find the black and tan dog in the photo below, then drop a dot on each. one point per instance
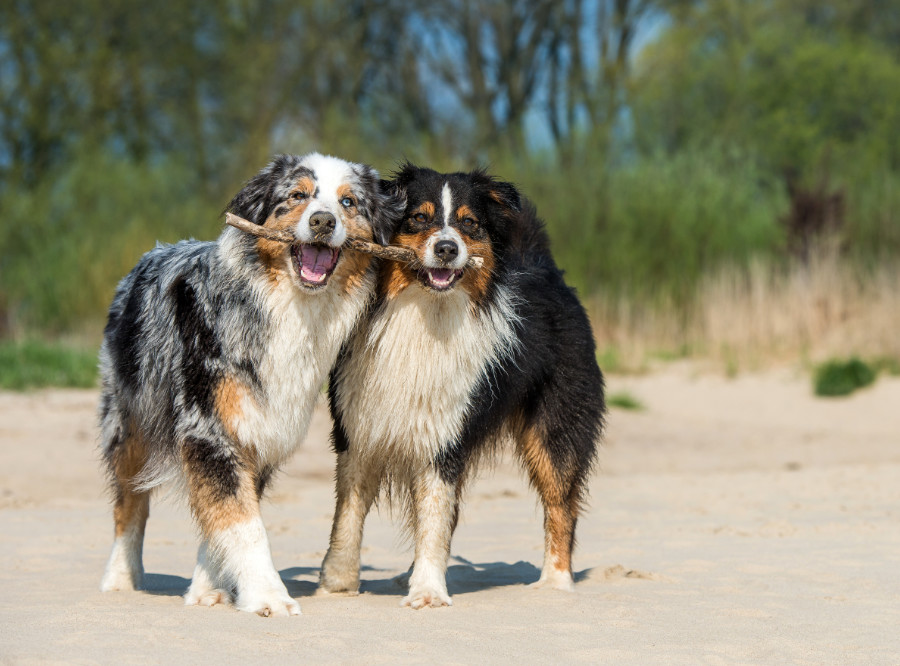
(454, 361)
(212, 360)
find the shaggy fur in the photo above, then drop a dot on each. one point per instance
(212, 359)
(453, 362)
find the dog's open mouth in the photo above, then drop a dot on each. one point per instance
(314, 263)
(440, 279)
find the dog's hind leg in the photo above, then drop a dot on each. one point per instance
(126, 457)
(559, 478)
(435, 501)
(222, 490)
(357, 485)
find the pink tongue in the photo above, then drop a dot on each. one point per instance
(441, 274)
(316, 261)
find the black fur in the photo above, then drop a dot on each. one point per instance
(540, 383)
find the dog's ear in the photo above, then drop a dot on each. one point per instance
(405, 174)
(498, 192)
(254, 202)
(391, 210)
(382, 205)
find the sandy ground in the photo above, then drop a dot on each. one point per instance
(734, 521)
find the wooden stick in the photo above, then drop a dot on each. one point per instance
(390, 252)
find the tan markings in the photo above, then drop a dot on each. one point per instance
(427, 209)
(495, 195)
(229, 396)
(476, 281)
(356, 487)
(351, 272)
(352, 266)
(463, 212)
(395, 277)
(213, 511)
(131, 508)
(273, 255)
(359, 227)
(305, 185)
(560, 511)
(346, 191)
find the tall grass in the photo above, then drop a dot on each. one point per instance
(34, 364)
(769, 311)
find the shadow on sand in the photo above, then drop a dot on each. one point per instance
(463, 577)
(164, 585)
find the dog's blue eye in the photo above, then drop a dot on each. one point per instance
(346, 202)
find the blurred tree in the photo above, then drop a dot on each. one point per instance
(489, 54)
(789, 81)
(211, 82)
(589, 68)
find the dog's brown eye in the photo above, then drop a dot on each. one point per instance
(299, 196)
(420, 218)
(469, 223)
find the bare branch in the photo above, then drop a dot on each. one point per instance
(390, 252)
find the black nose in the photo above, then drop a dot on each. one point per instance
(321, 223)
(446, 250)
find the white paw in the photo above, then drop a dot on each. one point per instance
(206, 597)
(425, 596)
(556, 580)
(267, 602)
(121, 578)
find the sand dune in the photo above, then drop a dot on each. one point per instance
(733, 521)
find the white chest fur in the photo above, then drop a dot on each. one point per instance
(307, 331)
(407, 382)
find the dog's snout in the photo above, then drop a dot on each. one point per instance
(446, 251)
(321, 223)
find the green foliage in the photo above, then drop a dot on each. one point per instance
(649, 230)
(886, 364)
(35, 364)
(121, 126)
(807, 88)
(624, 400)
(65, 244)
(838, 378)
(609, 360)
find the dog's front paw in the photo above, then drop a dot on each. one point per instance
(422, 597)
(121, 576)
(334, 580)
(267, 601)
(556, 580)
(205, 596)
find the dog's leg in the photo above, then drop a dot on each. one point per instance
(560, 487)
(204, 589)
(357, 485)
(125, 568)
(226, 505)
(435, 510)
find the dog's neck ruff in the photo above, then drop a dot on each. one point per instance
(306, 331)
(416, 366)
